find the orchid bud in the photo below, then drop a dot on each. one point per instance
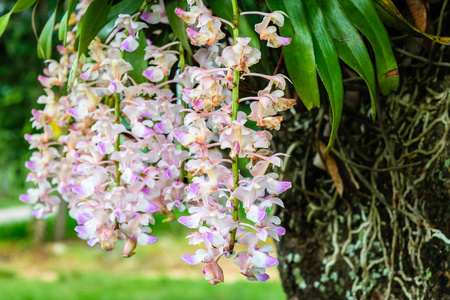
(213, 272)
(108, 239)
(130, 245)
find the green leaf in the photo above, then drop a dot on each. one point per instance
(20, 5)
(44, 48)
(299, 54)
(363, 15)
(128, 7)
(177, 25)
(251, 5)
(73, 73)
(391, 16)
(136, 59)
(4, 22)
(349, 45)
(90, 24)
(64, 24)
(327, 63)
(62, 30)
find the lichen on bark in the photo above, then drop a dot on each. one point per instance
(387, 236)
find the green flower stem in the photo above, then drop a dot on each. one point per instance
(183, 113)
(69, 119)
(117, 144)
(141, 9)
(234, 111)
(63, 93)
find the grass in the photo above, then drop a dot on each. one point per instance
(77, 271)
(10, 202)
(14, 231)
(73, 270)
(23, 230)
(114, 286)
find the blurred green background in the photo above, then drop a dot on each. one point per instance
(32, 264)
(47, 270)
(19, 90)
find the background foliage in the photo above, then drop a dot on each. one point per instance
(19, 68)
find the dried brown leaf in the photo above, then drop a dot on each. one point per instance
(420, 10)
(419, 13)
(332, 168)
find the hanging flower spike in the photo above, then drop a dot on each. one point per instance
(216, 192)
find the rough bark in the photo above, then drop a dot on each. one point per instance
(61, 220)
(387, 236)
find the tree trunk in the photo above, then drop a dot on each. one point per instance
(40, 226)
(387, 235)
(61, 220)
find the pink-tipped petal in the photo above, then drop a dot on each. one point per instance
(193, 259)
(146, 206)
(129, 176)
(256, 214)
(145, 239)
(263, 260)
(25, 198)
(30, 165)
(129, 44)
(189, 221)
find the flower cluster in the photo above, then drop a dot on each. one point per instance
(208, 26)
(216, 191)
(114, 177)
(120, 149)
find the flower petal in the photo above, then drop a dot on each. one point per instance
(145, 239)
(263, 260)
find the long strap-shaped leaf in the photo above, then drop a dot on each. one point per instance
(327, 63)
(18, 7)
(391, 16)
(178, 26)
(92, 21)
(64, 25)
(128, 7)
(44, 49)
(136, 59)
(363, 15)
(90, 24)
(349, 45)
(251, 5)
(299, 54)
